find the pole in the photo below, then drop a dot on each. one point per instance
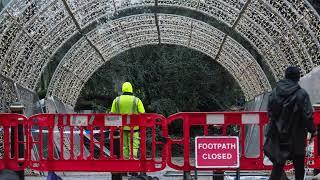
(218, 175)
(238, 174)
(186, 175)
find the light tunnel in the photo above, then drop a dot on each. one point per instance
(284, 32)
(117, 36)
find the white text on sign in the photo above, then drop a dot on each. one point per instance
(217, 152)
(217, 146)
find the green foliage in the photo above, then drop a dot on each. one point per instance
(315, 4)
(168, 79)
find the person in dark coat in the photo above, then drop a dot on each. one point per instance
(290, 119)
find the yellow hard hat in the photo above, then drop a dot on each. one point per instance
(127, 87)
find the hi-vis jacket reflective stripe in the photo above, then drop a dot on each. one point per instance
(127, 104)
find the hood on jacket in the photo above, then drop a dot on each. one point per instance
(127, 87)
(286, 87)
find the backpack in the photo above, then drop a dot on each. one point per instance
(279, 143)
(285, 120)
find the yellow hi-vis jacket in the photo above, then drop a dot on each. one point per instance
(127, 104)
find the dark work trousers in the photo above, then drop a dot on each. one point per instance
(298, 163)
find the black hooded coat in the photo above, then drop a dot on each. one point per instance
(290, 118)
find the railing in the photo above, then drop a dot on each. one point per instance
(95, 142)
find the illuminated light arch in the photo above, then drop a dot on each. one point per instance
(115, 37)
(284, 32)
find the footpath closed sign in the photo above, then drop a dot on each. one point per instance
(217, 152)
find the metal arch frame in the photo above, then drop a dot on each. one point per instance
(8, 93)
(49, 40)
(64, 69)
(168, 4)
(185, 34)
(28, 30)
(200, 7)
(279, 38)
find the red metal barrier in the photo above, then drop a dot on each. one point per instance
(13, 151)
(316, 153)
(209, 123)
(88, 142)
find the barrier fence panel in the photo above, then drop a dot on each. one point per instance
(13, 147)
(96, 142)
(224, 124)
(315, 159)
(93, 142)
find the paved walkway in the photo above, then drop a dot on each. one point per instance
(163, 175)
